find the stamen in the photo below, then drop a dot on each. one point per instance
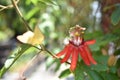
(77, 42)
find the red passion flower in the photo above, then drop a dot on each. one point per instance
(77, 46)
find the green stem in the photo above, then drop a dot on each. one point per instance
(21, 16)
(54, 56)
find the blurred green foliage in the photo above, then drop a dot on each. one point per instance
(54, 18)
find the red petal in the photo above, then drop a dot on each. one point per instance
(90, 42)
(83, 55)
(74, 59)
(68, 53)
(89, 54)
(63, 51)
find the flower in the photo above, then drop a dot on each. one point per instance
(77, 46)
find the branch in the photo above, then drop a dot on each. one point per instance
(20, 14)
(2, 7)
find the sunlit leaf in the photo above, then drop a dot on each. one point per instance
(48, 1)
(9, 62)
(34, 1)
(32, 38)
(32, 12)
(12, 58)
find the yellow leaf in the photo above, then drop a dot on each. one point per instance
(24, 38)
(32, 38)
(112, 60)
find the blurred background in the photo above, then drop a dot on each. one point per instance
(54, 18)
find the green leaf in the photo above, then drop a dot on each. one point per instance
(92, 35)
(79, 73)
(34, 1)
(113, 69)
(94, 47)
(49, 62)
(93, 74)
(115, 17)
(99, 67)
(101, 63)
(47, 2)
(32, 13)
(109, 76)
(65, 73)
(58, 64)
(101, 41)
(101, 59)
(12, 58)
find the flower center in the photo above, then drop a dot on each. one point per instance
(76, 35)
(76, 42)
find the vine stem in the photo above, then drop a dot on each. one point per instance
(54, 56)
(26, 24)
(20, 14)
(46, 50)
